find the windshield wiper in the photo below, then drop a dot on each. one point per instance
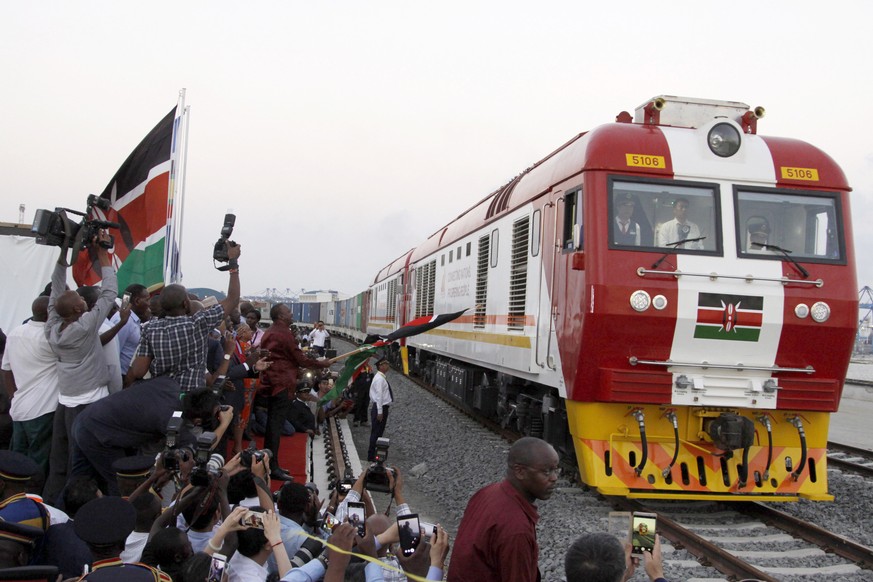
(785, 253)
(676, 244)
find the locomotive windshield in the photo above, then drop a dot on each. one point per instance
(664, 216)
(805, 225)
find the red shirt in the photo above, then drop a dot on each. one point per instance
(287, 359)
(497, 540)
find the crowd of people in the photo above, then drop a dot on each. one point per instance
(126, 458)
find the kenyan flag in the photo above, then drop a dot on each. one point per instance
(139, 194)
(729, 317)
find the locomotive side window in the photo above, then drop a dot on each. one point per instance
(572, 234)
(655, 215)
(495, 238)
(535, 233)
(771, 222)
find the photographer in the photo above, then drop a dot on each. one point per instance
(136, 418)
(73, 335)
(175, 345)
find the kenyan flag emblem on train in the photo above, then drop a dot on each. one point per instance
(729, 317)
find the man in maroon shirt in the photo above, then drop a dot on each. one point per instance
(497, 540)
(279, 381)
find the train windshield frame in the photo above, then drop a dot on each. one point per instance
(665, 213)
(808, 225)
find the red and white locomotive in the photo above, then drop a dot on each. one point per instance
(671, 296)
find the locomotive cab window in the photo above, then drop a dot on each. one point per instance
(655, 215)
(572, 234)
(772, 223)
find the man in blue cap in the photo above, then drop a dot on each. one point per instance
(15, 506)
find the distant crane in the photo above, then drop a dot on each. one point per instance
(865, 303)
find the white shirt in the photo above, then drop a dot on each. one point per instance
(311, 571)
(317, 337)
(133, 547)
(243, 569)
(113, 360)
(669, 232)
(34, 365)
(380, 395)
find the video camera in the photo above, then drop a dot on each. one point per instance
(53, 228)
(207, 465)
(219, 253)
(377, 475)
(172, 454)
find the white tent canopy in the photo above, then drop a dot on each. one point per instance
(26, 268)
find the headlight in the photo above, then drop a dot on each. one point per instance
(640, 300)
(723, 140)
(801, 310)
(820, 312)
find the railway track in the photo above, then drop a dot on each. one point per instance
(867, 383)
(849, 458)
(752, 540)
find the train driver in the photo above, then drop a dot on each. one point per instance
(680, 228)
(626, 231)
(758, 234)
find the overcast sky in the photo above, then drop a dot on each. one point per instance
(344, 133)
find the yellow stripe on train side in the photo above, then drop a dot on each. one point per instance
(513, 341)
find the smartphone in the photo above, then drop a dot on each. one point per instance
(410, 533)
(356, 516)
(216, 568)
(429, 528)
(125, 300)
(643, 528)
(253, 519)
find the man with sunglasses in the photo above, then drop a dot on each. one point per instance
(497, 539)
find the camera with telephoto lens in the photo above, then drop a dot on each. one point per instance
(252, 456)
(172, 453)
(219, 253)
(53, 228)
(377, 474)
(207, 465)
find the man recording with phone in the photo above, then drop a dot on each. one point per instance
(73, 333)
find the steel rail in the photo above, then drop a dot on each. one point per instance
(828, 541)
(706, 552)
(865, 470)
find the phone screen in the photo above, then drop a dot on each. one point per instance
(356, 516)
(125, 300)
(643, 532)
(216, 568)
(253, 519)
(410, 533)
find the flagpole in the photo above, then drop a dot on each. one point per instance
(353, 352)
(184, 157)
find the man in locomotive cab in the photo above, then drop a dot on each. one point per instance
(758, 234)
(626, 231)
(679, 228)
